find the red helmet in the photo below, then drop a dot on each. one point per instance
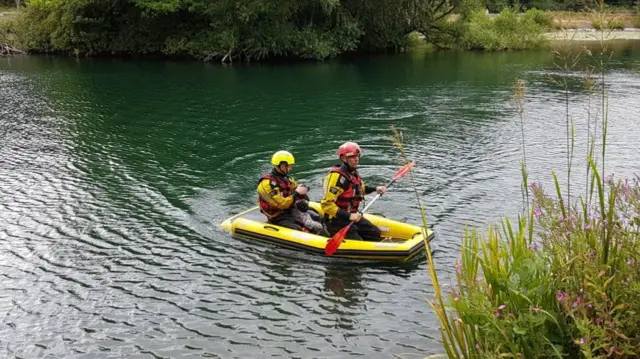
(349, 149)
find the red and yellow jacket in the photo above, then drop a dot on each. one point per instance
(343, 190)
(275, 193)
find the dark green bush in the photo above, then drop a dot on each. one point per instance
(226, 29)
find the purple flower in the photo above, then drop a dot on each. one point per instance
(577, 302)
(537, 212)
(496, 314)
(612, 325)
(609, 179)
(561, 296)
(630, 261)
(477, 346)
(582, 341)
(535, 310)
(502, 307)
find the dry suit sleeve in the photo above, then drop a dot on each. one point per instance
(331, 193)
(368, 189)
(273, 196)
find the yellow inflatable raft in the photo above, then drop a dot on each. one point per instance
(401, 241)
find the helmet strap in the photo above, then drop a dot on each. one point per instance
(346, 163)
(279, 168)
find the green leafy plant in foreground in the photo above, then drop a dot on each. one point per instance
(563, 280)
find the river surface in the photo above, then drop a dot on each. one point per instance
(115, 175)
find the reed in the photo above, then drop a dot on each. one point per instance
(562, 280)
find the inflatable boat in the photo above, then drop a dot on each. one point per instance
(400, 241)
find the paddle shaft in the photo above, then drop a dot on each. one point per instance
(377, 196)
(373, 200)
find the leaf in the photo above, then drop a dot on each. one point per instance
(608, 281)
(519, 330)
(619, 306)
(552, 317)
(622, 336)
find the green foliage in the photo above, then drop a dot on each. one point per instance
(594, 252)
(544, 19)
(504, 296)
(612, 24)
(496, 6)
(557, 294)
(564, 283)
(227, 29)
(508, 30)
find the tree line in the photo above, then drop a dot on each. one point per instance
(251, 30)
(228, 30)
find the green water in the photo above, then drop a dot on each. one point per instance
(114, 176)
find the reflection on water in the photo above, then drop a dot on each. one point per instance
(114, 176)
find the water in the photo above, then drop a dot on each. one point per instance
(114, 176)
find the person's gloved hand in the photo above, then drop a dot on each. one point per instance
(302, 190)
(302, 205)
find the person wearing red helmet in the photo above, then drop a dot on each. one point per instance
(343, 190)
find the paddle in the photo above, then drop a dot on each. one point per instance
(337, 239)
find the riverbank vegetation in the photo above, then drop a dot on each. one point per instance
(225, 30)
(560, 281)
(8, 41)
(252, 30)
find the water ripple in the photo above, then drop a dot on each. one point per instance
(115, 176)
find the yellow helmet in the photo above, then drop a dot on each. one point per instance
(282, 156)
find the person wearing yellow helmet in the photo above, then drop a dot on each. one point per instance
(343, 190)
(279, 195)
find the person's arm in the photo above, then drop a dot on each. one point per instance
(273, 196)
(331, 193)
(370, 189)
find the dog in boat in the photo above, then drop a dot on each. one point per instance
(310, 220)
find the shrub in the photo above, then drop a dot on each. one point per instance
(507, 31)
(542, 18)
(612, 24)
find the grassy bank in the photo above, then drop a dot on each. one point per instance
(562, 279)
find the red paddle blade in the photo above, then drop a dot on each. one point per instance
(403, 171)
(335, 241)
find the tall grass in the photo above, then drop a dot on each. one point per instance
(563, 280)
(448, 335)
